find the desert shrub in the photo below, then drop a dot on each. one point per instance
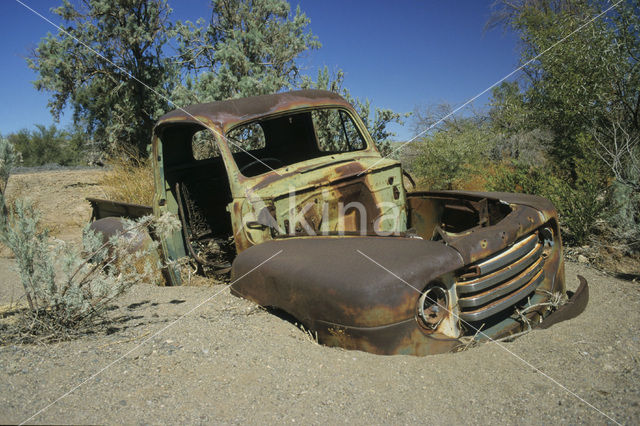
(129, 179)
(580, 201)
(8, 157)
(68, 290)
(48, 145)
(453, 156)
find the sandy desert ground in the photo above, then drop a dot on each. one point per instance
(199, 355)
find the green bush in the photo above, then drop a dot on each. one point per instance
(452, 155)
(580, 201)
(48, 146)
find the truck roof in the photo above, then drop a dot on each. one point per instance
(225, 114)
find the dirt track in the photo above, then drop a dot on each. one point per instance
(227, 361)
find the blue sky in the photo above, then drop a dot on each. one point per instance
(397, 54)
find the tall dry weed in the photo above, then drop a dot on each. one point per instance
(129, 179)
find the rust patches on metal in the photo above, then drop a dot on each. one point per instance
(575, 306)
(227, 114)
(440, 244)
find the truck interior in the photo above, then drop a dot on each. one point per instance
(196, 177)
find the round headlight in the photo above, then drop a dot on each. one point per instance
(433, 306)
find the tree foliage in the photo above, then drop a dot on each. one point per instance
(246, 48)
(585, 89)
(518, 137)
(589, 83)
(112, 95)
(456, 151)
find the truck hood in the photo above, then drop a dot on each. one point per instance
(337, 280)
(528, 213)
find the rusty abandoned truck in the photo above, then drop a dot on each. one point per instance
(289, 194)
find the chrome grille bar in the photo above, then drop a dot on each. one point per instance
(501, 304)
(503, 289)
(502, 280)
(508, 256)
(478, 284)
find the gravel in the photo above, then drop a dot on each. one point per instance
(171, 360)
(179, 355)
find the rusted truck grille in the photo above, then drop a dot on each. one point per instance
(500, 281)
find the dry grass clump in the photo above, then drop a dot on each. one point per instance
(129, 179)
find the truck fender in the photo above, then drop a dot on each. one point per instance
(111, 226)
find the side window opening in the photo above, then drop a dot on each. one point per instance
(336, 131)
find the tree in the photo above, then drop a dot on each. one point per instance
(587, 84)
(518, 137)
(112, 96)
(584, 86)
(248, 47)
(455, 152)
(376, 123)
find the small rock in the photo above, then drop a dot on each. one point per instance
(582, 259)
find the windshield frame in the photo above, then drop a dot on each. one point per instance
(330, 157)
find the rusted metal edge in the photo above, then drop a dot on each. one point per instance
(575, 306)
(107, 208)
(402, 338)
(231, 112)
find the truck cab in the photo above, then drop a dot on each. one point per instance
(241, 172)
